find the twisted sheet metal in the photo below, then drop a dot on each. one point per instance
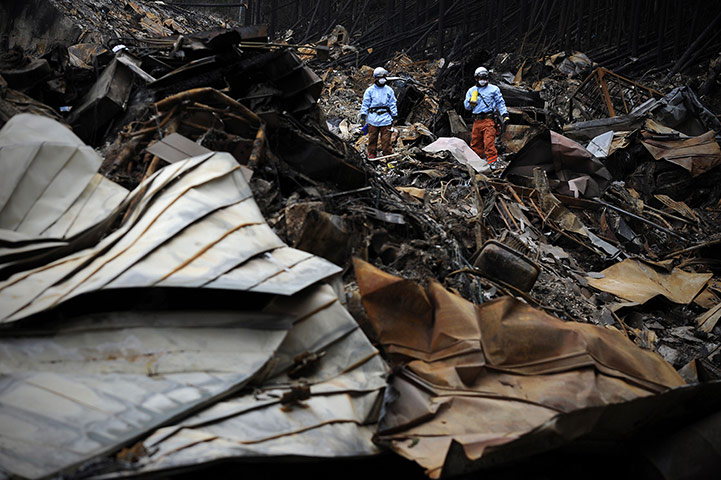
(192, 224)
(482, 376)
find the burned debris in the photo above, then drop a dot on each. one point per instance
(201, 263)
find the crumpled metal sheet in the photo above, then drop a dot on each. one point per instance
(563, 160)
(676, 447)
(482, 376)
(95, 203)
(345, 384)
(83, 387)
(192, 224)
(515, 137)
(697, 155)
(681, 109)
(639, 282)
(48, 181)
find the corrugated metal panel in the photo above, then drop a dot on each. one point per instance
(70, 393)
(95, 203)
(86, 386)
(44, 168)
(206, 249)
(346, 387)
(193, 224)
(698, 155)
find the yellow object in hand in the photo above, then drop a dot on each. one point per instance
(474, 96)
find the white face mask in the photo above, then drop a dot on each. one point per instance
(482, 83)
(381, 81)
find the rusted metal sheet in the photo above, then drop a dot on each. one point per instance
(516, 136)
(333, 417)
(673, 453)
(697, 155)
(708, 320)
(679, 207)
(640, 282)
(73, 391)
(188, 225)
(483, 376)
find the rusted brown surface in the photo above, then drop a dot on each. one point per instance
(483, 375)
(697, 154)
(639, 282)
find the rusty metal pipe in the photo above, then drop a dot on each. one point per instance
(640, 219)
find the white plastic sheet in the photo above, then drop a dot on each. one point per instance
(460, 151)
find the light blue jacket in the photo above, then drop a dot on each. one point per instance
(376, 96)
(493, 100)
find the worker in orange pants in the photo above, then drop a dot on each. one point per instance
(484, 100)
(483, 138)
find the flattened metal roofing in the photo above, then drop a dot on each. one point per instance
(346, 386)
(193, 224)
(81, 389)
(48, 181)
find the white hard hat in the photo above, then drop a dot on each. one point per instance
(380, 72)
(479, 71)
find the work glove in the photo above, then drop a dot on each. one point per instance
(504, 123)
(363, 119)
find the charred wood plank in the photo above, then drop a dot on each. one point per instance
(693, 49)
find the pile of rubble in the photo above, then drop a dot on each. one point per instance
(199, 263)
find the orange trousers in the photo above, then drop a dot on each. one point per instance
(483, 139)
